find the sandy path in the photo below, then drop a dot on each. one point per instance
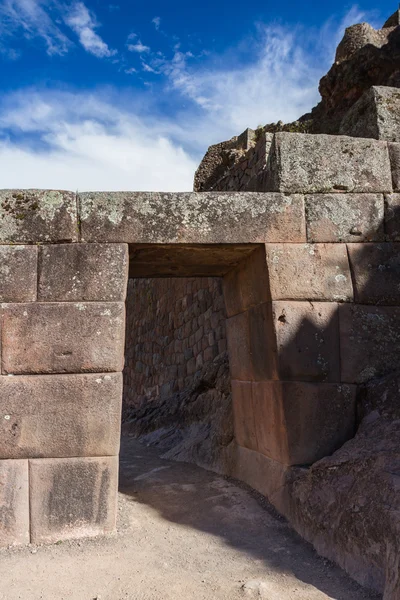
(184, 534)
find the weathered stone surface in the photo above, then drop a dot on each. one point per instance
(345, 217)
(14, 502)
(248, 284)
(394, 154)
(72, 497)
(60, 415)
(37, 216)
(369, 341)
(392, 217)
(18, 273)
(83, 272)
(376, 273)
(375, 115)
(348, 504)
(300, 423)
(309, 272)
(243, 414)
(251, 344)
(307, 340)
(304, 163)
(198, 218)
(63, 337)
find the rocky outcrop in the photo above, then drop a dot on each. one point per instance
(348, 504)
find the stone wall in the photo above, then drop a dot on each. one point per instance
(175, 328)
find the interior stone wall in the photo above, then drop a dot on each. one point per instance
(175, 328)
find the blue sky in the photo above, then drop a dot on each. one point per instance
(122, 95)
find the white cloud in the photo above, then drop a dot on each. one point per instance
(138, 47)
(83, 24)
(157, 22)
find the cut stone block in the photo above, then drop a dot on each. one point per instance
(392, 217)
(251, 344)
(376, 273)
(248, 284)
(375, 115)
(60, 416)
(309, 272)
(191, 218)
(300, 423)
(72, 497)
(307, 339)
(394, 154)
(243, 414)
(83, 272)
(14, 502)
(31, 216)
(63, 337)
(18, 273)
(369, 341)
(307, 163)
(345, 217)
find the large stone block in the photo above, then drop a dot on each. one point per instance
(14, 502)
(30, 216)
(375, 115)
(392, 217)
(306, 163)
(309, 272)
(83, 272)
(376, 273)
(369, 341)
(243, 414)
(72, 497)
(307, 340)
(57, 416)
(191, 218)
(63, 337)
(345, 217)
(251, 344)
(248, 284)
(18, 273)
(394, 154)
(300, 423)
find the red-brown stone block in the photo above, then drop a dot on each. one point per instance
(309, 272)
(299, 423)
(57, 416)
(307, 340)
(238, 338)
(345, 218)
(63, 337)
(72, 497)
(83, 272)
(14, 502)
(243, 414)
(376, 273)
(369, 341)
(18, 273)
(248, 284)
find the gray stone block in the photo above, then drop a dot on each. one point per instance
(394, 154)
(375, 115)
(392, 217)
(306, 163)
(369, 341)
(345, 217)
(31, 216)
(63, 337)
(60, 416)
(376, 273)
(83, 272)
(192, 218)
(72, 497)
(14, 502)
(18, 273)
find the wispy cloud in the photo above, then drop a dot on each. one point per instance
(156, 22)
(79, 19)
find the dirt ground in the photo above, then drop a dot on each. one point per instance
(183, 534)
